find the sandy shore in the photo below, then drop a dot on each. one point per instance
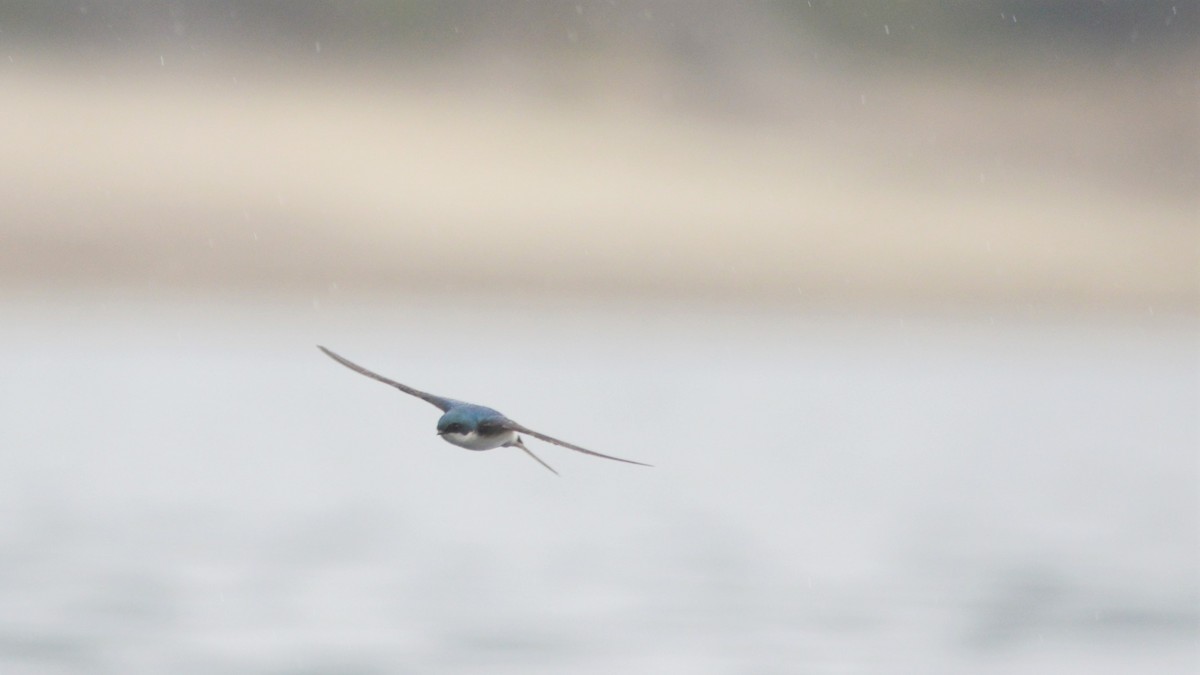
(1065, 190)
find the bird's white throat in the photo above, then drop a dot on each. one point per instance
(473, 441)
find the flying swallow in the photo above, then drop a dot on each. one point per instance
(475, 427)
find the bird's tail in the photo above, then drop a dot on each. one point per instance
(521, 444)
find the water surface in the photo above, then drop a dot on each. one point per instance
(191, 487)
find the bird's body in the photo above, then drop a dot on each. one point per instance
(474, 427)
(473, 440)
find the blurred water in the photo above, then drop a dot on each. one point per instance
(191, 487)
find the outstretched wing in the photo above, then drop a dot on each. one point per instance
(439, 401)
(570, 446)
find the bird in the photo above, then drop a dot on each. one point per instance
(475, 427)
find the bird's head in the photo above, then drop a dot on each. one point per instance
(456, 421)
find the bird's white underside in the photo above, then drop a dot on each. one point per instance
(473, 441)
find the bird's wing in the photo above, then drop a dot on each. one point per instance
(439, 401)
(570, 446)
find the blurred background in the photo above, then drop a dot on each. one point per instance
(900, 299)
